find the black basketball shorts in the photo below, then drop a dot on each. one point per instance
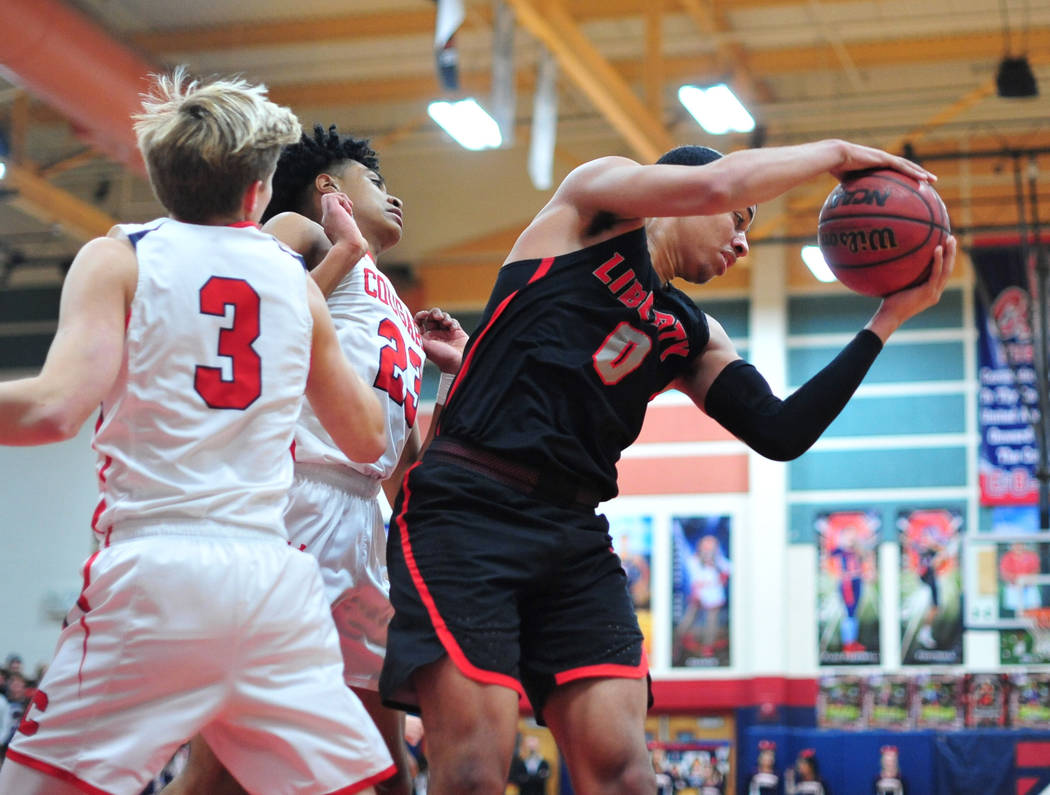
(516, 591)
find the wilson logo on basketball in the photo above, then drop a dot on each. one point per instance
(860, 240)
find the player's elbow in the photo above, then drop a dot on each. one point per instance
(368, 441)
(373, 446)
(780, 446)
(52, 421)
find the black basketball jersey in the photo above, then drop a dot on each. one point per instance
(567, 355)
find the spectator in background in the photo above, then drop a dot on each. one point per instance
(17, 699)
(889, 780)
(805, 778)
(529, 771)
(765, 780)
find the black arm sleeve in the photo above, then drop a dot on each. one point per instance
(742, 402)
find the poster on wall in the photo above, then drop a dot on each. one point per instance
(701, 575)
(931, 586)
(1029, 703)
(848, 587)
(633, 541)
(986, 700)
(888, 701)
(1007, 398)
(840, 702)
(938, 702)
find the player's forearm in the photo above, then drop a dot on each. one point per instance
(752, 176)
(335, 265)
(742, 402)
(32, 414)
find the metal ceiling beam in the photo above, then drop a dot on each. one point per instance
(548, 21)
(736, 61)
(398, 22)
(788, 60)
(63, 57)
(38, 198)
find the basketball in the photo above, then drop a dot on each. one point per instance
(877, 231)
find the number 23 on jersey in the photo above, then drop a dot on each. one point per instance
(394, 361)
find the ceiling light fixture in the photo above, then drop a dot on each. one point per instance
(716, 109)
(467, 122)
(815, 262)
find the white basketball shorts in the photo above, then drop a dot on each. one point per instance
(175, 634)
(334, 515)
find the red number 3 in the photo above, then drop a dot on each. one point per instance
(394, 357)
(235, 343)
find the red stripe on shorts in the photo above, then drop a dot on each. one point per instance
(82, 603)
(54, 772)
(445, 635)
(604, 671)
(368, 782)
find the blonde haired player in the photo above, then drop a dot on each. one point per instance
(198, 334)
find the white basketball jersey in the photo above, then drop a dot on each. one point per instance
(380, 339)
(199, 424)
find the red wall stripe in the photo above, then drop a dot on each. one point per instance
(685, 423)
(716, 474)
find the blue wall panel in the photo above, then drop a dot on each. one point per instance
(824, 314)
(912, 414)
(878, 469)
(917, 362)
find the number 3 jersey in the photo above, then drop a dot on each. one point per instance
(197, 427)
(380, 339)
(567, 355)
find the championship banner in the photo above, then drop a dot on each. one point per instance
(700, 600)
(1008, 400)
(931, 586)
(848, 588)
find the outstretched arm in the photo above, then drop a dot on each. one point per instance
(85, 355)
(736, 395)
(627, 189)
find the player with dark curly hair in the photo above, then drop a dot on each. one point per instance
(333, 511)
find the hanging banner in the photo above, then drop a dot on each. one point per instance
(450, 15)
(848, 588)
(700, 600)
(544, 123)
(1008, 400)
(503, 98)
(931, 587)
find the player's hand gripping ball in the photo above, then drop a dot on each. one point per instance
(878, 229)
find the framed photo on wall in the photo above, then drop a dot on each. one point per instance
(931, 594)
(848, 587)
(700, 603)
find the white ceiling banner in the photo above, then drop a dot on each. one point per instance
(503, 102)
(544, 123)
(450, 16)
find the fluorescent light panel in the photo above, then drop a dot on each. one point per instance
(3, 169)
(716, 109)
(815, 262)
(467, 122)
